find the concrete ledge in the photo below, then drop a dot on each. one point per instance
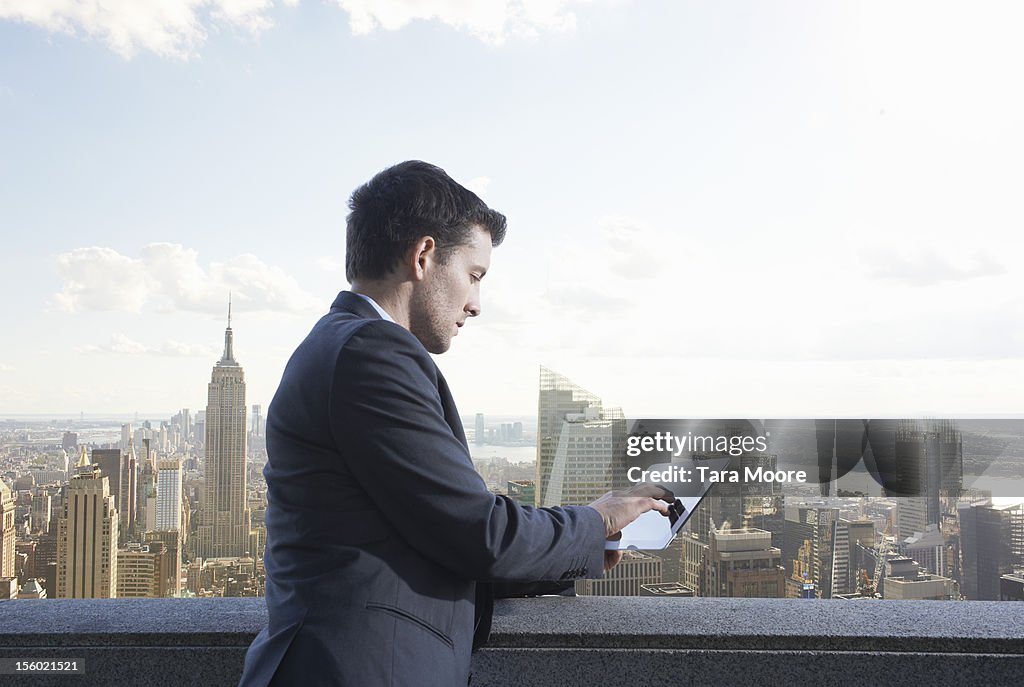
(562, 641)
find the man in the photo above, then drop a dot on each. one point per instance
(382, 540)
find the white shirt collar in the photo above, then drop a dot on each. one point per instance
(380, 311)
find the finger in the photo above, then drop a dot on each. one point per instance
(658, 505)
(615, 537)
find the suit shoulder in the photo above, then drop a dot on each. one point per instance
(359, 347)
(369, 335)
(336, 329)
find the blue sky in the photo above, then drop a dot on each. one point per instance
(747, 209)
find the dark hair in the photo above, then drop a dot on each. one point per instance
(404, 203)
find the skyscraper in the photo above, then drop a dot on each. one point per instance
(847, 535)
(126, 436)
(986, 550)
(7, 530)
(580, 445)
(171, 540)
(479, 430)
(145, 513)
(129, 491)
(87, 537)
(257, 420)
(225, 518)
(807, 545)
(110, 463)
(42, 510)
(168, 495)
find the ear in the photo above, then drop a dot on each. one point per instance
(421, 256)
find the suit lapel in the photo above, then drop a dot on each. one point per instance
(451, 413)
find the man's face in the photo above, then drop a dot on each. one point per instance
(450, 292)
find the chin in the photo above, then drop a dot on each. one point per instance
(436, 346)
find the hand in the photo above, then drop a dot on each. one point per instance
(621, 507)
(612, 556)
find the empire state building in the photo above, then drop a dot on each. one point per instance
(225, 520)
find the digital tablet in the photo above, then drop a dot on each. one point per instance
(652, 530)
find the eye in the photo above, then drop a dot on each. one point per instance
(473, 278)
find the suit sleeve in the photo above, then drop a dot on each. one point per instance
(388, 421)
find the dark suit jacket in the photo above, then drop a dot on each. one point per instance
(378, 527)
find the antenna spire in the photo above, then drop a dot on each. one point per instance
(229, 354)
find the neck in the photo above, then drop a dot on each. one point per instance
(394, 298)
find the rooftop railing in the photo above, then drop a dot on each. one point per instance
(561, 641)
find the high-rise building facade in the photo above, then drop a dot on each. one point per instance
(171, 541)
(479, 430)
(846, 573)
(87, 537)
(580, 444)
(42, 510)
(168, 495)
(636, 568)
(1015, 515)
(257, 420)
(225, 521)
(743, 563)
(929, 458)
(70, 441)
(142, 571)
(126, 437)
(145, 508)
(931, 549)
(694, 559)
(985, 549)
(807, 546)
(110, 462)
(743, 504)
(129, 491)
(7, 531)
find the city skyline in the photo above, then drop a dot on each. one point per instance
(718, 211)
(744, 539)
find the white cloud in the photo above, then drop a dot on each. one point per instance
(121, 344)
(169, 278)
(6, 368)
(489, 20)
(170, 28)
(101, 279)
(926, 266)
(177, 28)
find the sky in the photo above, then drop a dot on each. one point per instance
(740, 209)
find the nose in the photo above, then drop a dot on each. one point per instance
(472, 309)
